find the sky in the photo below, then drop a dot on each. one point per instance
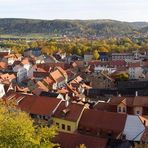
(123, 10)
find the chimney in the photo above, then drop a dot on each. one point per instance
(119, 95)
(136, 93)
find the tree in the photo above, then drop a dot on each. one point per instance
(121, 76)
(17, 130)
(95, 54)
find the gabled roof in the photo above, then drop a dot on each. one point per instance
(130, 101)
(41, 86)
(48, 80)
(25, 61)
(141, 101)
(73, 114)
(104, 106)
(136, 64)
(68, 140)
(3, 65)
(62, 71)
(62, 91)
(43, 105)
(57, 76)
(3, 54)
(125, 100)
(40, 74)
(100, 120)
(38, 105)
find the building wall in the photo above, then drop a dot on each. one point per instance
(135, 72)
(21, 74)
(88, 57)
(138, 110)
(121, 108)
(59, 122)
(99, 81)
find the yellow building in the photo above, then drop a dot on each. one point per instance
(67, 116)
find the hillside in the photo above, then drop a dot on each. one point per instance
(104, 28)
(139, 25)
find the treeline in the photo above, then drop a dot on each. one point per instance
(78, 46)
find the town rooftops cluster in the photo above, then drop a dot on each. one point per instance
(55, 90)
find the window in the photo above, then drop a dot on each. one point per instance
(57, 124)
(138, 112)
(63, 126)
(124, 109)
(68, 128)
(119, 109)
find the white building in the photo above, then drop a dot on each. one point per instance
(135, 70)
(88, 57)
(21, 73)
(109, 70)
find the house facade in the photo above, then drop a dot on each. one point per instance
(67, 116)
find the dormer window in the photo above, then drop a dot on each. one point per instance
(137, 112)
(119, 109)
(124, 110)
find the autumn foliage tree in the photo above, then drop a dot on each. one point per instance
(95, 54)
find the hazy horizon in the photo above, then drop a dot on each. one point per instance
(73, 19)
(123, 10)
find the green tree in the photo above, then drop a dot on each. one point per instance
(17, 130)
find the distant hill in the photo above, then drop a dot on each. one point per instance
(104, 28)
(144, 30)
(139, 25)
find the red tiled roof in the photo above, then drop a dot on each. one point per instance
(13, 55)
(3, 54)
(137, 64)
(126, 100)
(37, 91)
(141, 101)
(44, 105)
(106, 121)
(47, 66)
(48, 80)
(40, 74)
(103, 106)
(26, 103)
(25, 61)
(63, 72)
(39, 105)
(74, 111)
(57, 76)
(3, 65)
(42, 86)
(117, 63)
(68, 140)
(7, 76)
(130, 101)
(62, 91)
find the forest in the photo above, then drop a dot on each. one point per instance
(78, 46)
